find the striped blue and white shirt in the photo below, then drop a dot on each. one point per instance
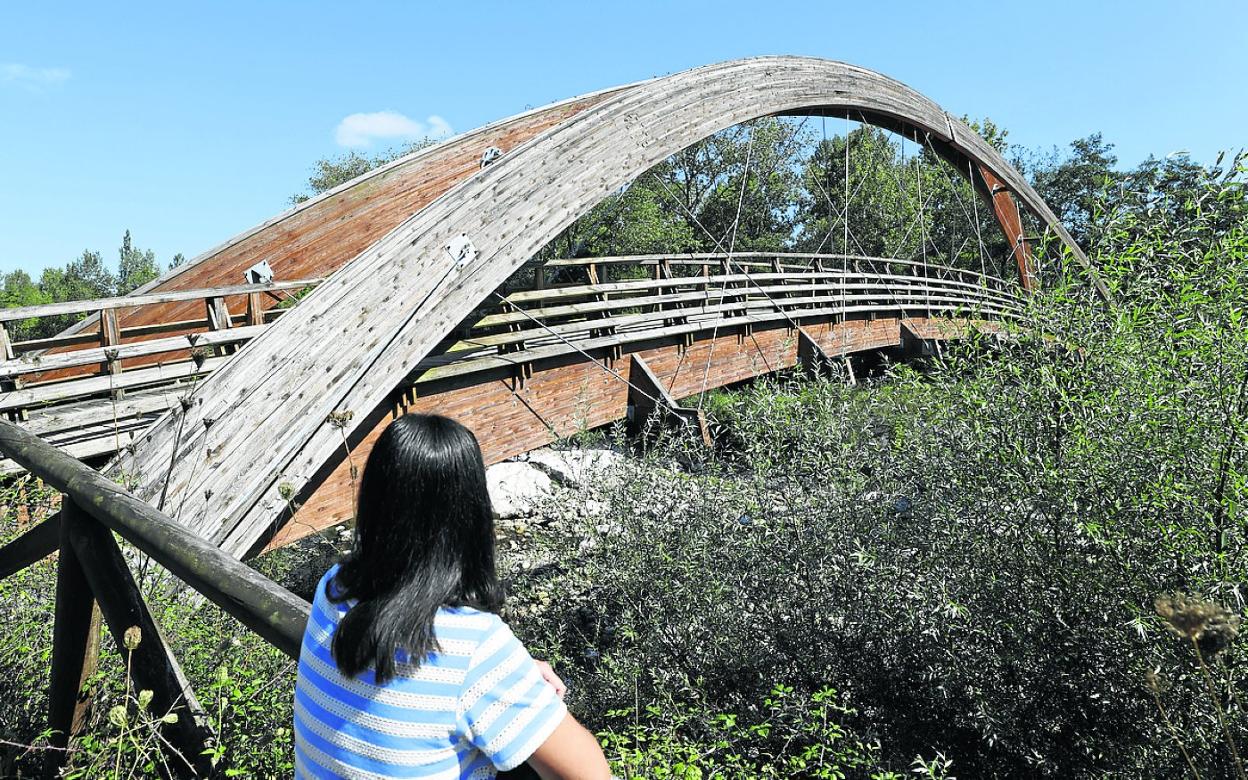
(476, 706)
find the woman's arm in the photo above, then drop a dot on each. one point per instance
(570, 753)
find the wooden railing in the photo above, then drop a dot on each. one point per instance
(91, 388)
(92, 570)
(743, 291)
(91, 392)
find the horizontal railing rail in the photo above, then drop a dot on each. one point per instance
(92, 400)
(92, 569)
(148, 299)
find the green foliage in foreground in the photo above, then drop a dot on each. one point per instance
(970, 556)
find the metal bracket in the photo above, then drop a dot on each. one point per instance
(491, 154)
(260, 273)
(461, 250)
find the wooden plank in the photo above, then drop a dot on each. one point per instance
(271, 611)
(444, 366)
(148, 299)
(883, 288)
(348, 343)
(75, 646)
(32, 546)
(127, 333)
(83, 357)
(58, 391)
(151, 664)
(50, 421)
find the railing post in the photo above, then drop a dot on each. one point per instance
(150, 663)
(10, 383)
(218, 315)
(255, 312)
(110, 336)
(75, 647)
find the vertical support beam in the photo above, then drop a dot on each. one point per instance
(110, 336)
(810, 356)
(1011, 221)
(644, 391)
(218, 315)
(539, 278)
(9, 383)
(255, 311)
(75, 647)
(151, 664)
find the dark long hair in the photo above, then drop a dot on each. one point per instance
(424, 538)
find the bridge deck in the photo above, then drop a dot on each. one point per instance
(92, 398)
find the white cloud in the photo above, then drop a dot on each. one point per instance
(363, 129)
(31, 79)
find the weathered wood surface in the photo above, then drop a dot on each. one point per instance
(350, 342)
(568, 394)
(75, 646)
(150, 663)
(318, 236)
(266, 608)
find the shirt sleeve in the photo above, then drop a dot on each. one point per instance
(506, 709)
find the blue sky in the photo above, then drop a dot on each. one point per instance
(189, 123)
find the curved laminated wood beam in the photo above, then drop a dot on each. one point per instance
(261, 426)
(320, 235)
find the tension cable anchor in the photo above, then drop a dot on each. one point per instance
(491, 154)
(461, 250)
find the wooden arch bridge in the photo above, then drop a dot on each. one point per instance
(230, 417)
(242, 416)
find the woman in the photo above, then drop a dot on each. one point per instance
(406, 670)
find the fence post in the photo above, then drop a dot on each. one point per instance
(110, 336)
(75, 648)
(151, 664)
(10, 383)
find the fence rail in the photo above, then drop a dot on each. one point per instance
(92, 569)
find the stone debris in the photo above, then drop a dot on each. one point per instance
(517, 488)
(574, 467)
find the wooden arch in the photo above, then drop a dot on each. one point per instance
(261, 428)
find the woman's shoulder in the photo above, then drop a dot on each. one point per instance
(468, 619)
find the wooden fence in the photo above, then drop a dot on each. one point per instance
(92, 570)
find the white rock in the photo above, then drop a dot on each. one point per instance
(574, 467)
(517, 488)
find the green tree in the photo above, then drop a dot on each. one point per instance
(1073, 185)
(863, 171)
(20, 290)
(330, 172)
(136, 266)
